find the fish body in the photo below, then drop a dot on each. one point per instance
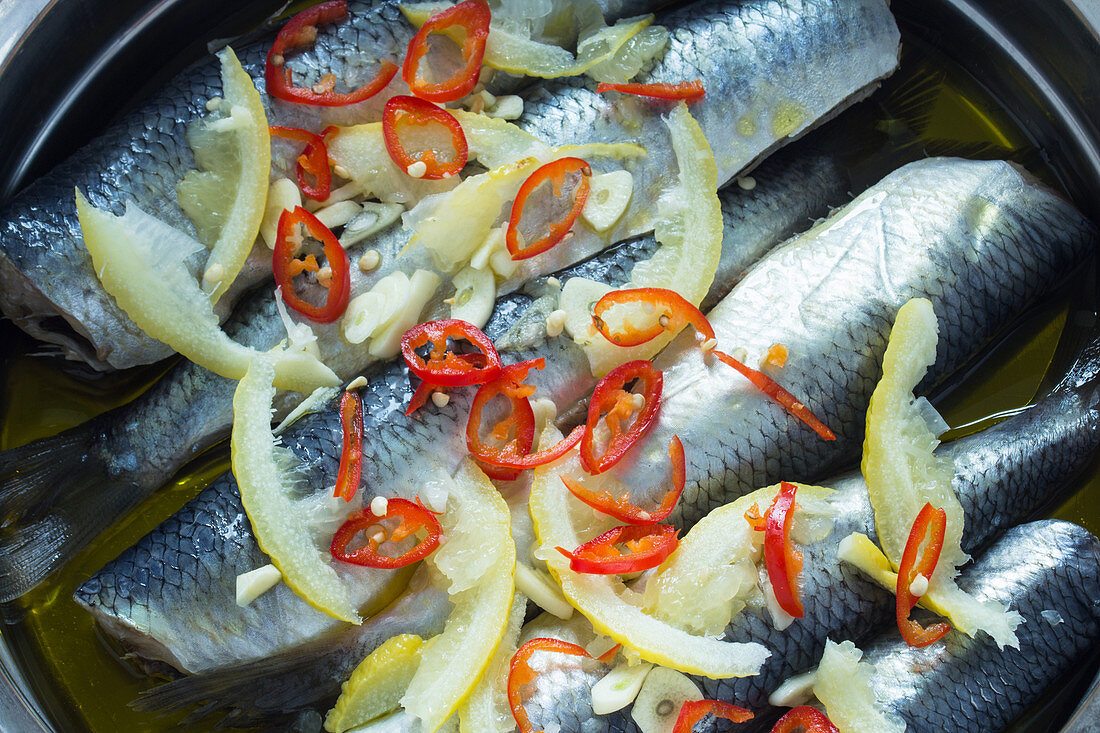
(1003, 475)
(1049, 572)
(396, 460)
(40, 476)
(196, 633)
(960, 233)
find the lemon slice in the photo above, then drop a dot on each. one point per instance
(563, 521)
(689, 227)
(376, 685)
(264, 474)
(478, 559)
(142, 263)
(902, 473)
(713, 573)
(486, 709)
(843, 684)
(225, 200)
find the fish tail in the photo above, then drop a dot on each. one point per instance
(56, 494)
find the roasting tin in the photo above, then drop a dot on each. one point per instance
(68, 67)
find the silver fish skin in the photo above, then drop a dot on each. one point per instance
(175, 615)
(36, 480)
(45, 269)
(281, 687)
(981, 239)
(1047, 571)
(1003, 475)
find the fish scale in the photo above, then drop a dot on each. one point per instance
(395, 459)
(53, 475)
(971, 686)
(1003, 475)
(790, 191)
(834, 313)
(44, 266)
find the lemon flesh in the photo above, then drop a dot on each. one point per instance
(843, 684)
(377, 684)
(903, 473)
(478, 559)
(563, 521)
(225, 200)
(142, 263)
(264, 474)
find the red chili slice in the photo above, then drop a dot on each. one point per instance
(472, 17)
(301, 30)
(520, 672)
(671, 313)
(784, 563)
(693, 711)
(351, 454)
(931, 523)
(515, 434)
(443, 366)
(621, 508)
(689, 91)
(810, 720)
(610, 398)
(312, 162)
(402, 113)
(414, 518)
(647, 547)
(419, 397)
(285, 265)
(555, 173)
(771, 388)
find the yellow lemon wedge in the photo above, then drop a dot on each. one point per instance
(142, 262)
(377, 684)
(712, 573)
(561, 520)
(225, 199)
(689, 227)
(264, 473)
(486, 709)
(843, 685)
(478, 559)
(903, 473)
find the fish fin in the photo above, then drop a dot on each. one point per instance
(56, 494)
(260, 691)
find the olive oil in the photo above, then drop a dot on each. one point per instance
(929, 107)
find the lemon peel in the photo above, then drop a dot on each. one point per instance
(475, 524)
(559, 520)
(486, 709)
(689, 227)
(226, 199)
(142, 263)
(376, 684)
(903, 473)
(264, 475)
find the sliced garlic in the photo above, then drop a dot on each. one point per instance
(608, 198)
(338, 214)
(422, 286)
(374, 218)
(658, 703)
(255, 583)
(282, 195)
(619, 687)
(543, 591)
(475, 295)
(368, 313)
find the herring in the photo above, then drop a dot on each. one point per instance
(948, 256)
(81, 480)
